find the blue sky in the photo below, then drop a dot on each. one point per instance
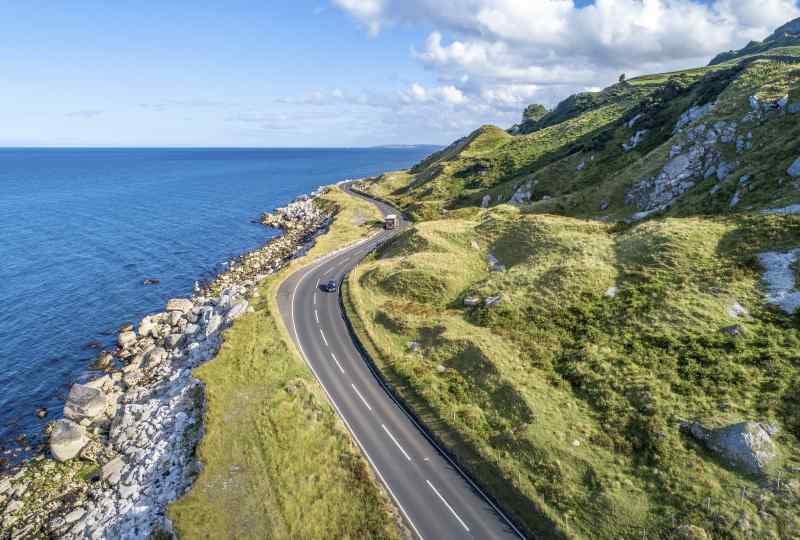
(331, 72)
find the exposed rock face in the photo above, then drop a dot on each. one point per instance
(67, 439)
(695, 157)
(523, 193)
(84, 402)
(485, 201)
(694, 114)
(779, 279)
(637, 138)
(746, 446)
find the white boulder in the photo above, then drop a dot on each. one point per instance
(84, 402)
(67, 439)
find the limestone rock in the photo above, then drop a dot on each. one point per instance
(635, 140)
(112, 471)
(104, 361)
(175, 317)
(747, 446)
(84, 402)
(213, 325)
(173, 341)
(237, 310)
(156, 356)
(472, 301)
(485, 201)
(523, 193)
(148, 328)
(180, 304)
(75, 515)
(67, 439)
(126, 339)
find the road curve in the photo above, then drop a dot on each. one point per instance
(437, 501)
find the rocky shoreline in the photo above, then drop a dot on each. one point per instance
(125, 446)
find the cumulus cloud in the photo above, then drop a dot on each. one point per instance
(504, 51)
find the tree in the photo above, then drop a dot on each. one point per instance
(622, 78)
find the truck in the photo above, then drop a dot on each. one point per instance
(391, 222)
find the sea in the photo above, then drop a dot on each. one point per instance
(82, 229)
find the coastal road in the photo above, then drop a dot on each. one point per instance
(436, 499)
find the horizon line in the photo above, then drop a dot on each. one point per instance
(99, 147)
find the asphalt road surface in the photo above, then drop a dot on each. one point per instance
(436, 499)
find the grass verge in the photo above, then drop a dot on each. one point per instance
(277, 461)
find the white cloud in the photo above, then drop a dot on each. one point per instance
(490, 49)
(491, 58)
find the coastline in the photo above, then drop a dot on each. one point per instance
(125, 447)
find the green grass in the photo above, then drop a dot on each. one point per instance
(277, 461)
(574, 160)
(565, 402)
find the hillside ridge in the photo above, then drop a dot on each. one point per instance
(599, 306)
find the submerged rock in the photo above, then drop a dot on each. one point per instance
(67, 439)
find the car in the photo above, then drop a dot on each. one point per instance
(330, 286)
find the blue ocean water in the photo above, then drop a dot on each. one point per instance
(80, 229)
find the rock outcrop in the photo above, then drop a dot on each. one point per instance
(747, 446)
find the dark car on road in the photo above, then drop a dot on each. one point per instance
(329, 286)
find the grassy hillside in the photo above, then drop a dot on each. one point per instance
(573, 161)
(566, 399)
(277, 462)
(587, 284)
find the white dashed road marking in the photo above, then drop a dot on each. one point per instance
(323, 337)
(337, 362)
(364, 401)
(448, 506)
(395, 442)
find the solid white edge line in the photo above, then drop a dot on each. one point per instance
(364, 401)
(337, 363)
(395, 442)
(444, 454)
(425, 434)
(448, 506)
(339, 411)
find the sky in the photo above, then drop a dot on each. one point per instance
(333, 73)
